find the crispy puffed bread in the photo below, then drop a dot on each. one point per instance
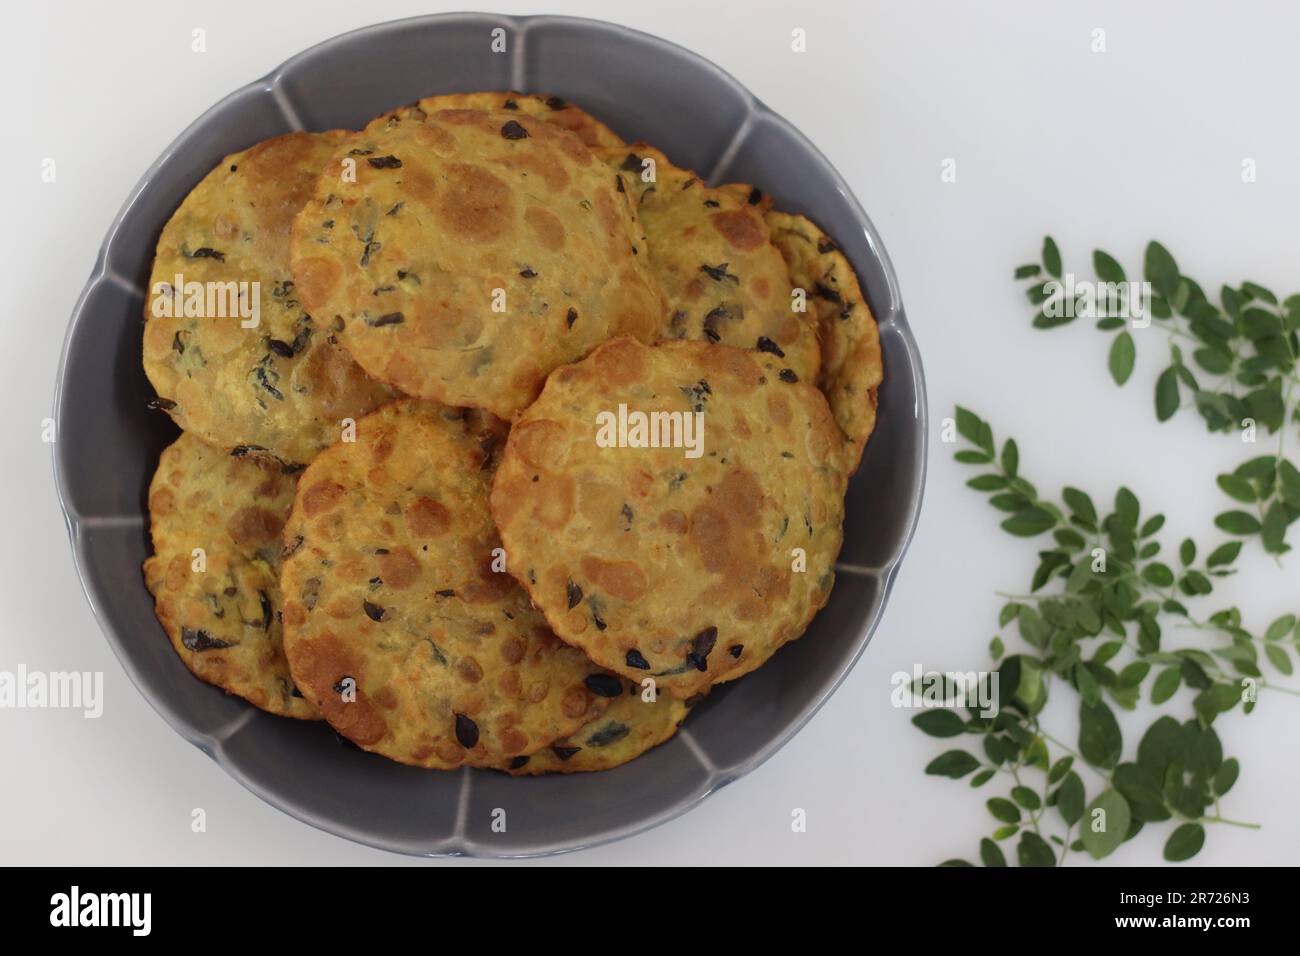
(712, 258)
(215, 519)
(401, 626)
(282, 386)
(852, 369)
(474, 252)
(631, 726)
(552, 109)
(690, 570)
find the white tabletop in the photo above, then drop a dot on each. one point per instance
(1108, 149)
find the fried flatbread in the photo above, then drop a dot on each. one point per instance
(215, 519)
(283, 386)
(712, 258)
(851, 370)
(474, 252)
(542, 106)
(630, 727)
(657, 562)
(401, 626)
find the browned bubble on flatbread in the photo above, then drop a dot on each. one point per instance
(400, 623)
(543, 106)
(215, 520)
(852, 369)
(657, 564)
(712, 257)
(474, 252)
(635, 722)
(283, 386)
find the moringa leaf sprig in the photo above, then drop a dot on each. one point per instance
(1100, 621)
(1234, 362)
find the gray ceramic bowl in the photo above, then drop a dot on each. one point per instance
(109, 441)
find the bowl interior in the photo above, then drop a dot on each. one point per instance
(109, 440)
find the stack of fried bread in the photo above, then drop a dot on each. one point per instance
(532, 438)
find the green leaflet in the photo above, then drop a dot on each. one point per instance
(1232, 361)
(1106, 620)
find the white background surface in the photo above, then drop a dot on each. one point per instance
(1105, 150)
